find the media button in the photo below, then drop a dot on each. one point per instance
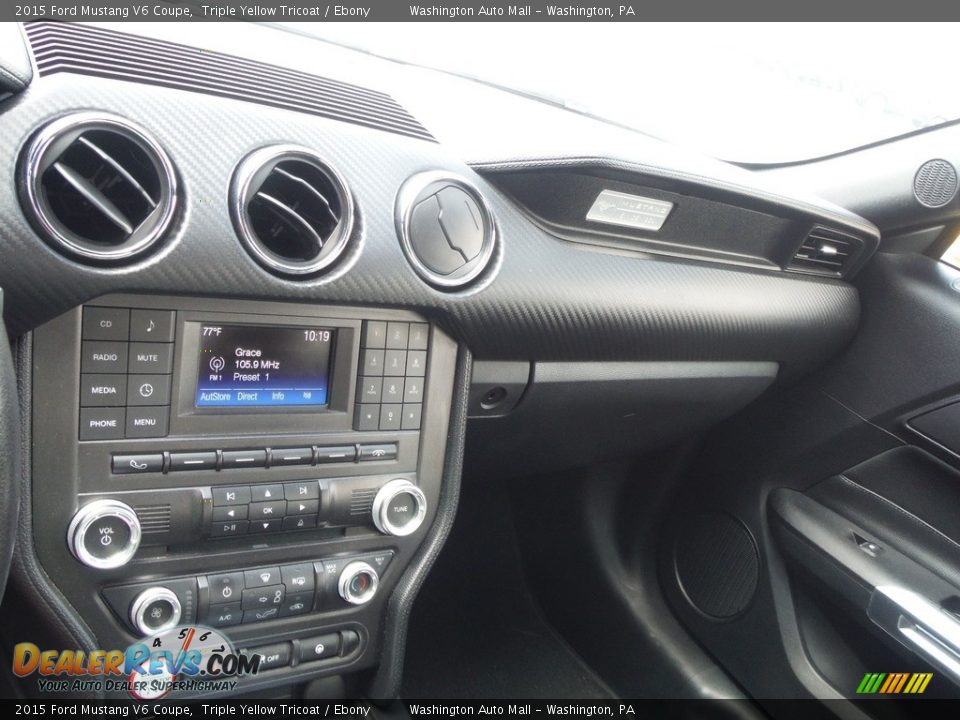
(151, 358)
(102, 423)
(148, 422)
(232, 459)
(136, 464)
(103, 357)
(103, 390)
(148, 390)
(231, 495)
(103, 323)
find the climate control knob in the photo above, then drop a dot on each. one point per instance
(358, 583)
(399, 508)
(154, 610)
(104, 534)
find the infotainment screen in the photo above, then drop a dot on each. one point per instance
(255, 366)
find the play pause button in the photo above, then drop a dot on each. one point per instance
(226, 529)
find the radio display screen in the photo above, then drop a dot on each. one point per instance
(255, 366)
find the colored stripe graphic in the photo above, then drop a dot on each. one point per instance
(894, 683)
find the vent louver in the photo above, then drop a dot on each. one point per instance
(98, 187)
(292, 210)
(74, 48)
(826, 252)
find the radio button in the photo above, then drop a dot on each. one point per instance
(225, 587)
(387, 451)
(147, 422)
(231, 495)
(297, 578)
(291, 456)
(267, 510)
(193, 461)
(148, 390)
(303, 507)
(397, 333)
(103, 357)
(102, 424)
(266, 597)
(297, 604)
(419, 335)
(262, 577)
(228, 529)
(309, 490)
(102, 323)
(103, 390)
(151, 358)
(261, 493)
(265, 526)
(229, 512)
(136, 464)
(232, 459)
(336, 454)
(300, 522)
(223, 615)
(152, 325)
(374, 334)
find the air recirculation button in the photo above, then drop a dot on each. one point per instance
(445, 228)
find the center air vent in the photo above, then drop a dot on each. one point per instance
(292, 209)
(98, 187)
(826, 252)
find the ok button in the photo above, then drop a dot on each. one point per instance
(148, 390)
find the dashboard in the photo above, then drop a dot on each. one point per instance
(248, 302)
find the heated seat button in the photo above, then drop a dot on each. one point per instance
(136, 464)
(272, 656)
(320, 647)
(225, 587)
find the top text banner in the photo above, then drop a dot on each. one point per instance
(466, 11)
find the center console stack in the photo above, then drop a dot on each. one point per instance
(266, 469)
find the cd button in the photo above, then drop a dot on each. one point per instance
(102, 323)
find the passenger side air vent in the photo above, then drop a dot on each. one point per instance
(292, 210)
(98, 187)
(826, 252)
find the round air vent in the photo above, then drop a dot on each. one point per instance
(935, 183)
(292, 210)
(445, 228)
(98, 187)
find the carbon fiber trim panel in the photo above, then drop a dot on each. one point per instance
(543, 299)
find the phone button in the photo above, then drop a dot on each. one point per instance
(136, 464)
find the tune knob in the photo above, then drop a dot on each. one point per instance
(399, 508)
(154, 610)
(104, 534)
(358, 583)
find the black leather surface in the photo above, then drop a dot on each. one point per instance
(908, 499)
(10, 467)
(15, 68)
(546, 299)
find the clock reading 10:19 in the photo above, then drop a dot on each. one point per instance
(258, 366)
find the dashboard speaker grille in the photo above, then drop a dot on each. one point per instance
(935, 183)
(68, 47)
(717, 565)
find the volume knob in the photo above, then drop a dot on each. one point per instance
(104, 534)
(399, 508)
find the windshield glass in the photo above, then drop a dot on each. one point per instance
(751, 93)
